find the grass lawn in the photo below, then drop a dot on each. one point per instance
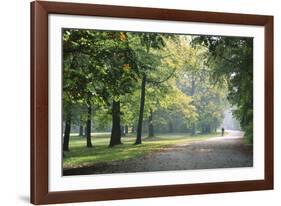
(79, 155)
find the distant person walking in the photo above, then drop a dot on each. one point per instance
(222, 131)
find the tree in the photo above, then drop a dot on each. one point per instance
(231, 60)
(129, 109)
(148, 62)
(88, 126)
(106, 71)
(156, 96)
(176, 109)
(81, 130)
(82, 72)
(121, 75)
(67, 129)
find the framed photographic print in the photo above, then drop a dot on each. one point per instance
(131, 102)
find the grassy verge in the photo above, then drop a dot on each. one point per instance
(79, 155)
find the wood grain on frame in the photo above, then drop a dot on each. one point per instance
(39, 102)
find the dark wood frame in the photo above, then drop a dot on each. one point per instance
(39, 102)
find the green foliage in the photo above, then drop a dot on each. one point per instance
(188, 79)
(231, 60)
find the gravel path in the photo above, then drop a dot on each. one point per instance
(218, 152)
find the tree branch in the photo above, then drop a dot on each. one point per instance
(163, 80)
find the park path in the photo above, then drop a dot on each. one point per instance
(217, 152)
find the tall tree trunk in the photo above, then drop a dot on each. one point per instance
(126, 129)
(193, 126)
(150, 124)
(171, 128)
(193, 131)
(142, 101)
(115, 138)
(81, 128)
(89, 124)
(67, 132)
(123, 131)
(85, 131)
(133, 129)
(208, 129)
